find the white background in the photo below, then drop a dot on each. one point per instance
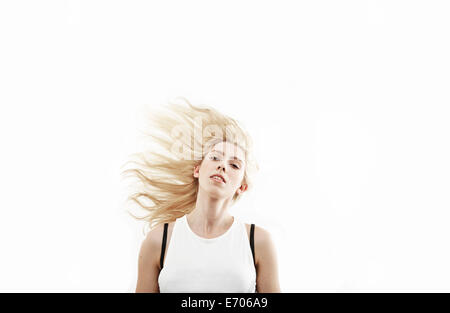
(347, 102)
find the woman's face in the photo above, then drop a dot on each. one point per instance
(227, 160)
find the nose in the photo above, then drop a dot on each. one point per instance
(221, 167)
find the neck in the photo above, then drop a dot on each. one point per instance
(210, 215)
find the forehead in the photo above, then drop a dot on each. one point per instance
(230, 149)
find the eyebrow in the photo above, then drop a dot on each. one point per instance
(235, 157)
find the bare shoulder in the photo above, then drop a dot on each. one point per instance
(154, 236)
(263, 241)
(261, 234)
(149, 260)
(151, 245)
(266, 261)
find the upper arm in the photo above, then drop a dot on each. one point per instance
(148, 264)
(266, 262)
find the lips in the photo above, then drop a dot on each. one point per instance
(220, 176)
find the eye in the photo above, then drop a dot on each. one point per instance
(214, 158)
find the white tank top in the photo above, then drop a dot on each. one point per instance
(196, 264)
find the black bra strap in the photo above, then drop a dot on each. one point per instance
(252, 241)
(163, 246)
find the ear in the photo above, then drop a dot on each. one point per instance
(196, 171)
(242, 189)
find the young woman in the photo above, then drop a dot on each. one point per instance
(195, 244)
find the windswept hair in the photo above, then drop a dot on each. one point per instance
(164, 183)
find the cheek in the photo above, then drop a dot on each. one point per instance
(237, 177)
(207, 166)
(205, 169)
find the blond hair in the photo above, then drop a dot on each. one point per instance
(166, 179)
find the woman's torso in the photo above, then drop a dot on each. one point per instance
(196, 264)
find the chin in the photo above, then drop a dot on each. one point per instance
(214, 192)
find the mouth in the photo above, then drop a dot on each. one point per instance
(218, 178)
